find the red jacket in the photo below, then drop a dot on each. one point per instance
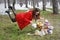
(23, 19)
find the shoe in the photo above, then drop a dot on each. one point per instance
(10, 7)
(7, 12)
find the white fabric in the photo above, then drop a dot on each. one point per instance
(34, 25)
(51, 27)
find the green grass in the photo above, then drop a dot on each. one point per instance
(21, 11)
(11, 31)
(50, 8)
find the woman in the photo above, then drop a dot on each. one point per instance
(25, 18)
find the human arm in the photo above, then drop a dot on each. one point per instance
(30, 21)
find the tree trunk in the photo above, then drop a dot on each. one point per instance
(29, 2)
(44, 4)
(21, 4)
(5, 3)
(8, 3)
(51, 3)
(37, 3)
(33, 3)
(55, 6)
(26, 3)
(14, 4)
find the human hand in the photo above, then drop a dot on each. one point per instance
(31, 22)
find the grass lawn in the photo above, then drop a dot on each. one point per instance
(10, 31)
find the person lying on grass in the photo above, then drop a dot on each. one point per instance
(25, 18)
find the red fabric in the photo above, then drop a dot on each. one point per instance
(23, 19)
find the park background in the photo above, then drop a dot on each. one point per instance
(10, 30)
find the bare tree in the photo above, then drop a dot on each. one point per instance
(29, 2)
(14, 4)
(33, 3)
(44, 4)
(8, 3)
(55, 6)
(50, 2)
(21, 3)
(26, 3)
(5, 3)
(37, 3)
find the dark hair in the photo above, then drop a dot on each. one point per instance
(34, 13)
(35, 10)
